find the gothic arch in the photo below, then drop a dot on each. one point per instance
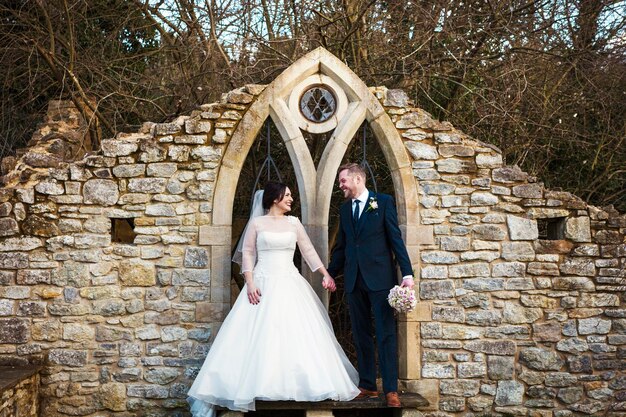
(315, 186)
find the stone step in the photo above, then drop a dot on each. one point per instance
(408, 399)
(410, 403)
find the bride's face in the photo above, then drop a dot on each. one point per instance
(284, 205)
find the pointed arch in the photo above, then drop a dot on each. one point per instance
(316, 187)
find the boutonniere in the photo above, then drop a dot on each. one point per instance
(372, 204)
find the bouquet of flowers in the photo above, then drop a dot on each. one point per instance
(402, 299)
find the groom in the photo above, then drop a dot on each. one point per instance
(368, 238)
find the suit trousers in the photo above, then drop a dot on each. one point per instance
(361, 303)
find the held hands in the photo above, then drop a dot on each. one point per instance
(329, 283)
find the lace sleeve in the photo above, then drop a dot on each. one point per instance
(306, 247)
(249, 248)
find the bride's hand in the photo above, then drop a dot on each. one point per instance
(254, 294)
(329, 283)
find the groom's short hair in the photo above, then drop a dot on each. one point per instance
(354, 169)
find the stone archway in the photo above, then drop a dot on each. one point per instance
(316, 185)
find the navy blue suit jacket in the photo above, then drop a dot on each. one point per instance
(369, 246)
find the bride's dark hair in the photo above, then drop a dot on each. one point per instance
(273, 191)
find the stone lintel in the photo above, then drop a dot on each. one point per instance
(215, 235)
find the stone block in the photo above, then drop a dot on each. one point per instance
(48, 330)
(477, 269)
(578, 229)
(547, 332)
(483, 284)
(14, 292)
(541, 359)
(489, 232)
(196, 257)
(484, 317)
(33, 276)
(543, 269)
(77, 332)
(112, 396)
(521, 228)
(516, 314)
(578, 266)
(573, 284)
(459, 387)
(528, 191)
(430, 290)
(68, 357)
(570, 395)
(448, 314)
(484, 160)
(509, 174)
(497, 347)
(518, 251)
(129, 170)
(109, 307)
(191, 277)
(24, 243)
(560, 379)
(509, 269)
(162, 169)
(435, 188)
(500, 367)
(481, 198)
(8, 227)
(438, 371)
(509, 393)
(472, 370)
(594, 325)
(101, 192)
(31, 308)
(113, 147)
(421, 151)
(14, 330)
(598, 300)
(147, 185)
(137, 273)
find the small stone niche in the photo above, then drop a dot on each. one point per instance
(123, 230)
(551, 229)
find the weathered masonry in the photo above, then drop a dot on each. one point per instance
(115, 268)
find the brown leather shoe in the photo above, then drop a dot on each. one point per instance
(393, 400)
(365, 393)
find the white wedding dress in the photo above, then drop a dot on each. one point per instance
(283, 348)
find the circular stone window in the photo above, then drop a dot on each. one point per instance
(318, 104)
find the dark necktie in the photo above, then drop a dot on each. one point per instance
(355, 214)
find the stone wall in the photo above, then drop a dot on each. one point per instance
(120, 327)
(509, 323)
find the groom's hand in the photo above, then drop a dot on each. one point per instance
(407, 282)
(329, 283)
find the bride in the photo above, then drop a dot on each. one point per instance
(277, 342)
